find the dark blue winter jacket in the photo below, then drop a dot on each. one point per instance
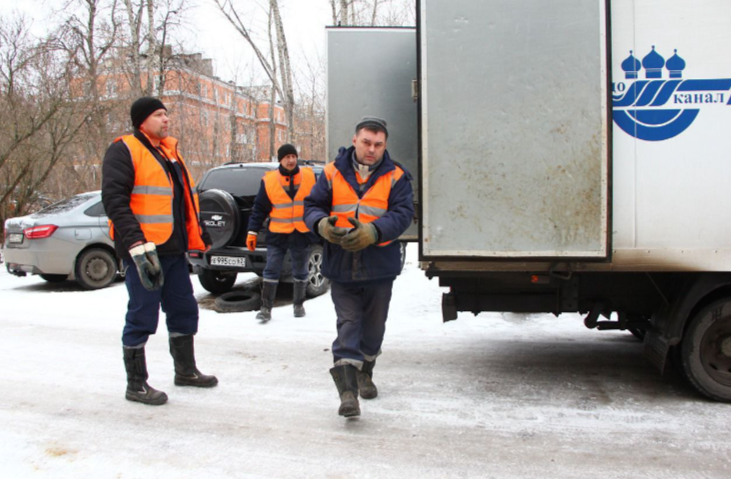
(262, 209)
(374, 262)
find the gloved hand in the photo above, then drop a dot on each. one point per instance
(148, 266)
(327, 229)
(360, 237)
(251, 241)
(207, 240)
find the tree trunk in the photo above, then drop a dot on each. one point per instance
(285, 70)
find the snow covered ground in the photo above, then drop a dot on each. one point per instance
(493, 396)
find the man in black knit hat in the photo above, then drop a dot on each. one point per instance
(281, 198)
(153, 211)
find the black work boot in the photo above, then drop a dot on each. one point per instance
(300, 290)
(347, 384)
(186, 374)
(268, 292)
(137, 388)
(365, 380)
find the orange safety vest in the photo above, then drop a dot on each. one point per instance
(367, 209)
(151, 200)
(287, 213)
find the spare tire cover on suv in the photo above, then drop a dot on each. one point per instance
(220, 215)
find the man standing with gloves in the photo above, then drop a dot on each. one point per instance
(153, 212)
(360, 205)
(281, 198)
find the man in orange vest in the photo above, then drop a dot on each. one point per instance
(153, 212)
(281, 199)
(361, 204)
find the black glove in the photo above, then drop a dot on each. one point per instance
(360, 237)
(329, 231)
(148, 266)
(206, 237)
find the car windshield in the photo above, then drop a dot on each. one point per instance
(66, 205)
(237, 181)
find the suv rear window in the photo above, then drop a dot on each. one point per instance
(236, 181)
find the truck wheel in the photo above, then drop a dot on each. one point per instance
(317, 284)
(706, 351)
(221, 216)
(96, 268)
(216, 282)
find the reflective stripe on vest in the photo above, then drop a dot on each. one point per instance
(367, 209)
(151, 200)
(288, 214)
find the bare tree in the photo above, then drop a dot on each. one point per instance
(134, 24)
(372, 12)
(279, 73)
(149, 52)
(40, 119)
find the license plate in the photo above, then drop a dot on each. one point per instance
(228, 261)
(15, 238)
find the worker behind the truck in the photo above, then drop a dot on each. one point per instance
(360, 205)
(280, 199)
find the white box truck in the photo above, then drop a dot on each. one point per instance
(571, 156)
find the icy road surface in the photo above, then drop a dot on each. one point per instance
(496, 396)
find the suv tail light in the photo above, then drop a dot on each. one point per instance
(38, 232)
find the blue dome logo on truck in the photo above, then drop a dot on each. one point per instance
(657, 109)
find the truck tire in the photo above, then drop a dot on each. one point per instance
(317, 284)
(96, 268)
(705, 354)
(238, 301)
(221, 216)
(217, 282)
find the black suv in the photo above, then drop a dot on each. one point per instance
(227, 196)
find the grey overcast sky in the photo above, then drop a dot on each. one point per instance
(206, 31)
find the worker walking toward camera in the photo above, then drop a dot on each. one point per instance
(153, 211)
(360, 205)
(281, 199)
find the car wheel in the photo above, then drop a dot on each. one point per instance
(216, 282)
(55, 278)
(317, 284)
(238, 301)
(705, 354)
(96, 268)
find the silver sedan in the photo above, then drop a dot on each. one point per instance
(67, 240)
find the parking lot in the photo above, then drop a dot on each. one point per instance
(493, 396)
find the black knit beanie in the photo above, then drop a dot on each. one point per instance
(285, 150)
(144, 107)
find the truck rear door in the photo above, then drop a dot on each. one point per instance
(514, 137)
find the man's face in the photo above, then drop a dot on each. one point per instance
(369, 146)
(156, 125)
(289, 162)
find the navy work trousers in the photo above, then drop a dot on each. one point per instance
(275, 257)
(362, 309)
(175, 297)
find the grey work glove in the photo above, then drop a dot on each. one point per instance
(329, 231)
(148, 266)
(360, 237)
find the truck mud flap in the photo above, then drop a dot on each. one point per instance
(656, 349)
